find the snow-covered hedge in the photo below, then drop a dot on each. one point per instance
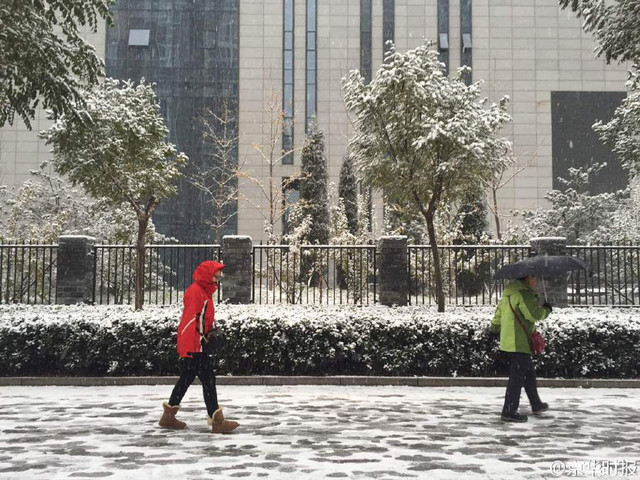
(311, 340)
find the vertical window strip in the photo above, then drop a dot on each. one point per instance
(312, 62)
(287, 82)
(466, 44)
(443, 32)
(366, 12)
(388, 23)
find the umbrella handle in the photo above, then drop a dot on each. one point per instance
(544, 289)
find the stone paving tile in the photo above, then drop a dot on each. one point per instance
(300, 432)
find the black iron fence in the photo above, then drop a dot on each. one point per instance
(467, 272)
(615, 279)
(28, 273)
(310, 274)
(167, 272)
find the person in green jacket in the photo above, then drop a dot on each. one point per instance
(519, 298)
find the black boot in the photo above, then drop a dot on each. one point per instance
(514, 417)
(543, 407)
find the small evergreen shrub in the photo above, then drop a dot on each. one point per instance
(311, 340)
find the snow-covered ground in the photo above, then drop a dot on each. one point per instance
(311, 432)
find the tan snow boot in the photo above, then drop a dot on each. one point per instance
(168, 419)
(219, 424)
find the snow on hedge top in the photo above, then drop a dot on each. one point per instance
(454, 317)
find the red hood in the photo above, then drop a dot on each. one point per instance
(203, 275)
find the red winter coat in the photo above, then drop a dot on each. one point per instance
(197, 294)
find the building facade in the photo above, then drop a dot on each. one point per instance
(279, 64)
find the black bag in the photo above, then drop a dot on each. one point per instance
(215, 339)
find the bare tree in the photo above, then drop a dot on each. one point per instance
(272, 154)
(498, 180)
(218, 178)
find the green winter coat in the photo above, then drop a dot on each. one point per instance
(525, 301)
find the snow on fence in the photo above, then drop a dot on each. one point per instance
(168, 271)
(616, 278)
(312, 274)
(316, 274)
(467, 272)
(28, 273)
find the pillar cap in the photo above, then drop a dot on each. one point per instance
(77, 237)
(549, 239)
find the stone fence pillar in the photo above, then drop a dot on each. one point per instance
(75, 269)
(555, 287)
(236, 282)
(394, 281)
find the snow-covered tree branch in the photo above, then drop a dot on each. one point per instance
(423, 138)
(121, 156)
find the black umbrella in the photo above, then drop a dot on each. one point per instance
(542, 265)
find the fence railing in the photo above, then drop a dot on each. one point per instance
(313, 274)
(310, 274)
(615, 279)
(467, 272)
(167, 272)
(28, 273)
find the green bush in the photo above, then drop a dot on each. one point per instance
(311, 340)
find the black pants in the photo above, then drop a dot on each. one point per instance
(521, 374)
(199, 366)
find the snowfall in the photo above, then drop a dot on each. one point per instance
(312, 432)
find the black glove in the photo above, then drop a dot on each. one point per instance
(548, 306)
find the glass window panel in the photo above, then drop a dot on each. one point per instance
(288, 99)
(311, 15)
(466, 41)
(311, 60)
(288, 41)
(311, 41)
(138, 38)
(288, 59)
(444, 41)
(311, 101)
(288, 77)
(288, 15)
(365, 15)
(388, 23)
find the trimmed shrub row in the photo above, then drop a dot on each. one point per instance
(311, 340)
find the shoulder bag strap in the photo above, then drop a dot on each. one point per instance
(517, 317)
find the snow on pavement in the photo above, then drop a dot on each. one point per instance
(310, 432)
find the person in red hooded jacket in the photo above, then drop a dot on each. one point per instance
(198, 304)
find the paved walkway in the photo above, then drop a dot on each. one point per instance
(309, 432)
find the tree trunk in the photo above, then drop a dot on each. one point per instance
(435, 254)
(495, 213)
(143, 222)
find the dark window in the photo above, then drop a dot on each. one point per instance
(312, 63)
(576, 145)
(465, 44)
(365, 39)
(388, 23)
(443, 32)
(287, 82)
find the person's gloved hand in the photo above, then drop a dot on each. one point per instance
(548, 306)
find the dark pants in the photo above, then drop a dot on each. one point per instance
(521, 374)
(199, 366)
